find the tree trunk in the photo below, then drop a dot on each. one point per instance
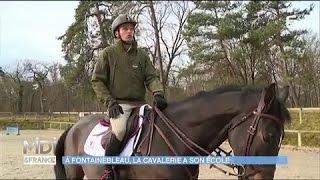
(103, 35)
(225, 52)
(32, 101)
(157, 46)
(83, 103)
(41, 100)
(252, 65)
(20, 96)
(284, 59)
(317, 96)
(68, 104)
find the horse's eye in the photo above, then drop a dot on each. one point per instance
(269, 138)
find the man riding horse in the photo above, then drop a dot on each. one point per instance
(120, 77)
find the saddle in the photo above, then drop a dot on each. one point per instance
(131, 129)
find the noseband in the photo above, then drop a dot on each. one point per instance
(258, 113)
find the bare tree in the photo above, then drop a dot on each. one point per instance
(174, 46)
(15, 83)
(39, 73)
(164, 39)
(156, 28)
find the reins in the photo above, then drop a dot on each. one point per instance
(195, 148)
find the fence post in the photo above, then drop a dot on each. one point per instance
(50, 125)
(60, 116)
(300, 115)
(299, 139)
(69, 116)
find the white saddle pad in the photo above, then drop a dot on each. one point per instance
(93, 145)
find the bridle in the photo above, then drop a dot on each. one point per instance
(261, 111)
(191, 145)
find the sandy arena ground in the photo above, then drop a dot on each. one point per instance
(303, 163)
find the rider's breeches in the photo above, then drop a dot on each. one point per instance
(119, 124)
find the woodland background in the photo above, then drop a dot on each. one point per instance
(194, 45)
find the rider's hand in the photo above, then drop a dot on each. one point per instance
(114, 109)
(159, 101)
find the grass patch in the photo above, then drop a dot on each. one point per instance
(64, 118)
(307, 139)
(310, 122)
(22, 124)
(30, 124)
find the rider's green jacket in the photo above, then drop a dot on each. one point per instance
(124, 75)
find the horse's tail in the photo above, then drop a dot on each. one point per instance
(59, 169)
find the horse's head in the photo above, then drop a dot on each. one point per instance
(259, 131)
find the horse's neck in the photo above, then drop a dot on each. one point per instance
(202, 109)
(201, 119)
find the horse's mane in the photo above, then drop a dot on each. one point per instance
(243, 88)
(224, 89)
(231, 88)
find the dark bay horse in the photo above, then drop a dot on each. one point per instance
(251, 118)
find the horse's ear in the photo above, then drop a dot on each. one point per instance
(270, 93)
(283, 94)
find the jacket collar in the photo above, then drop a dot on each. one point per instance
(120, 45)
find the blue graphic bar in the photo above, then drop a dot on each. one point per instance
(259, 160)
(174, 160)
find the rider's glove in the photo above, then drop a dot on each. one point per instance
(159, 101)
(114, 109)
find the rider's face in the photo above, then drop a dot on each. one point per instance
(126, 32)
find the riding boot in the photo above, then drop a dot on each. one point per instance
(112, 149)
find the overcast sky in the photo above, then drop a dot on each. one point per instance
(29, 30)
